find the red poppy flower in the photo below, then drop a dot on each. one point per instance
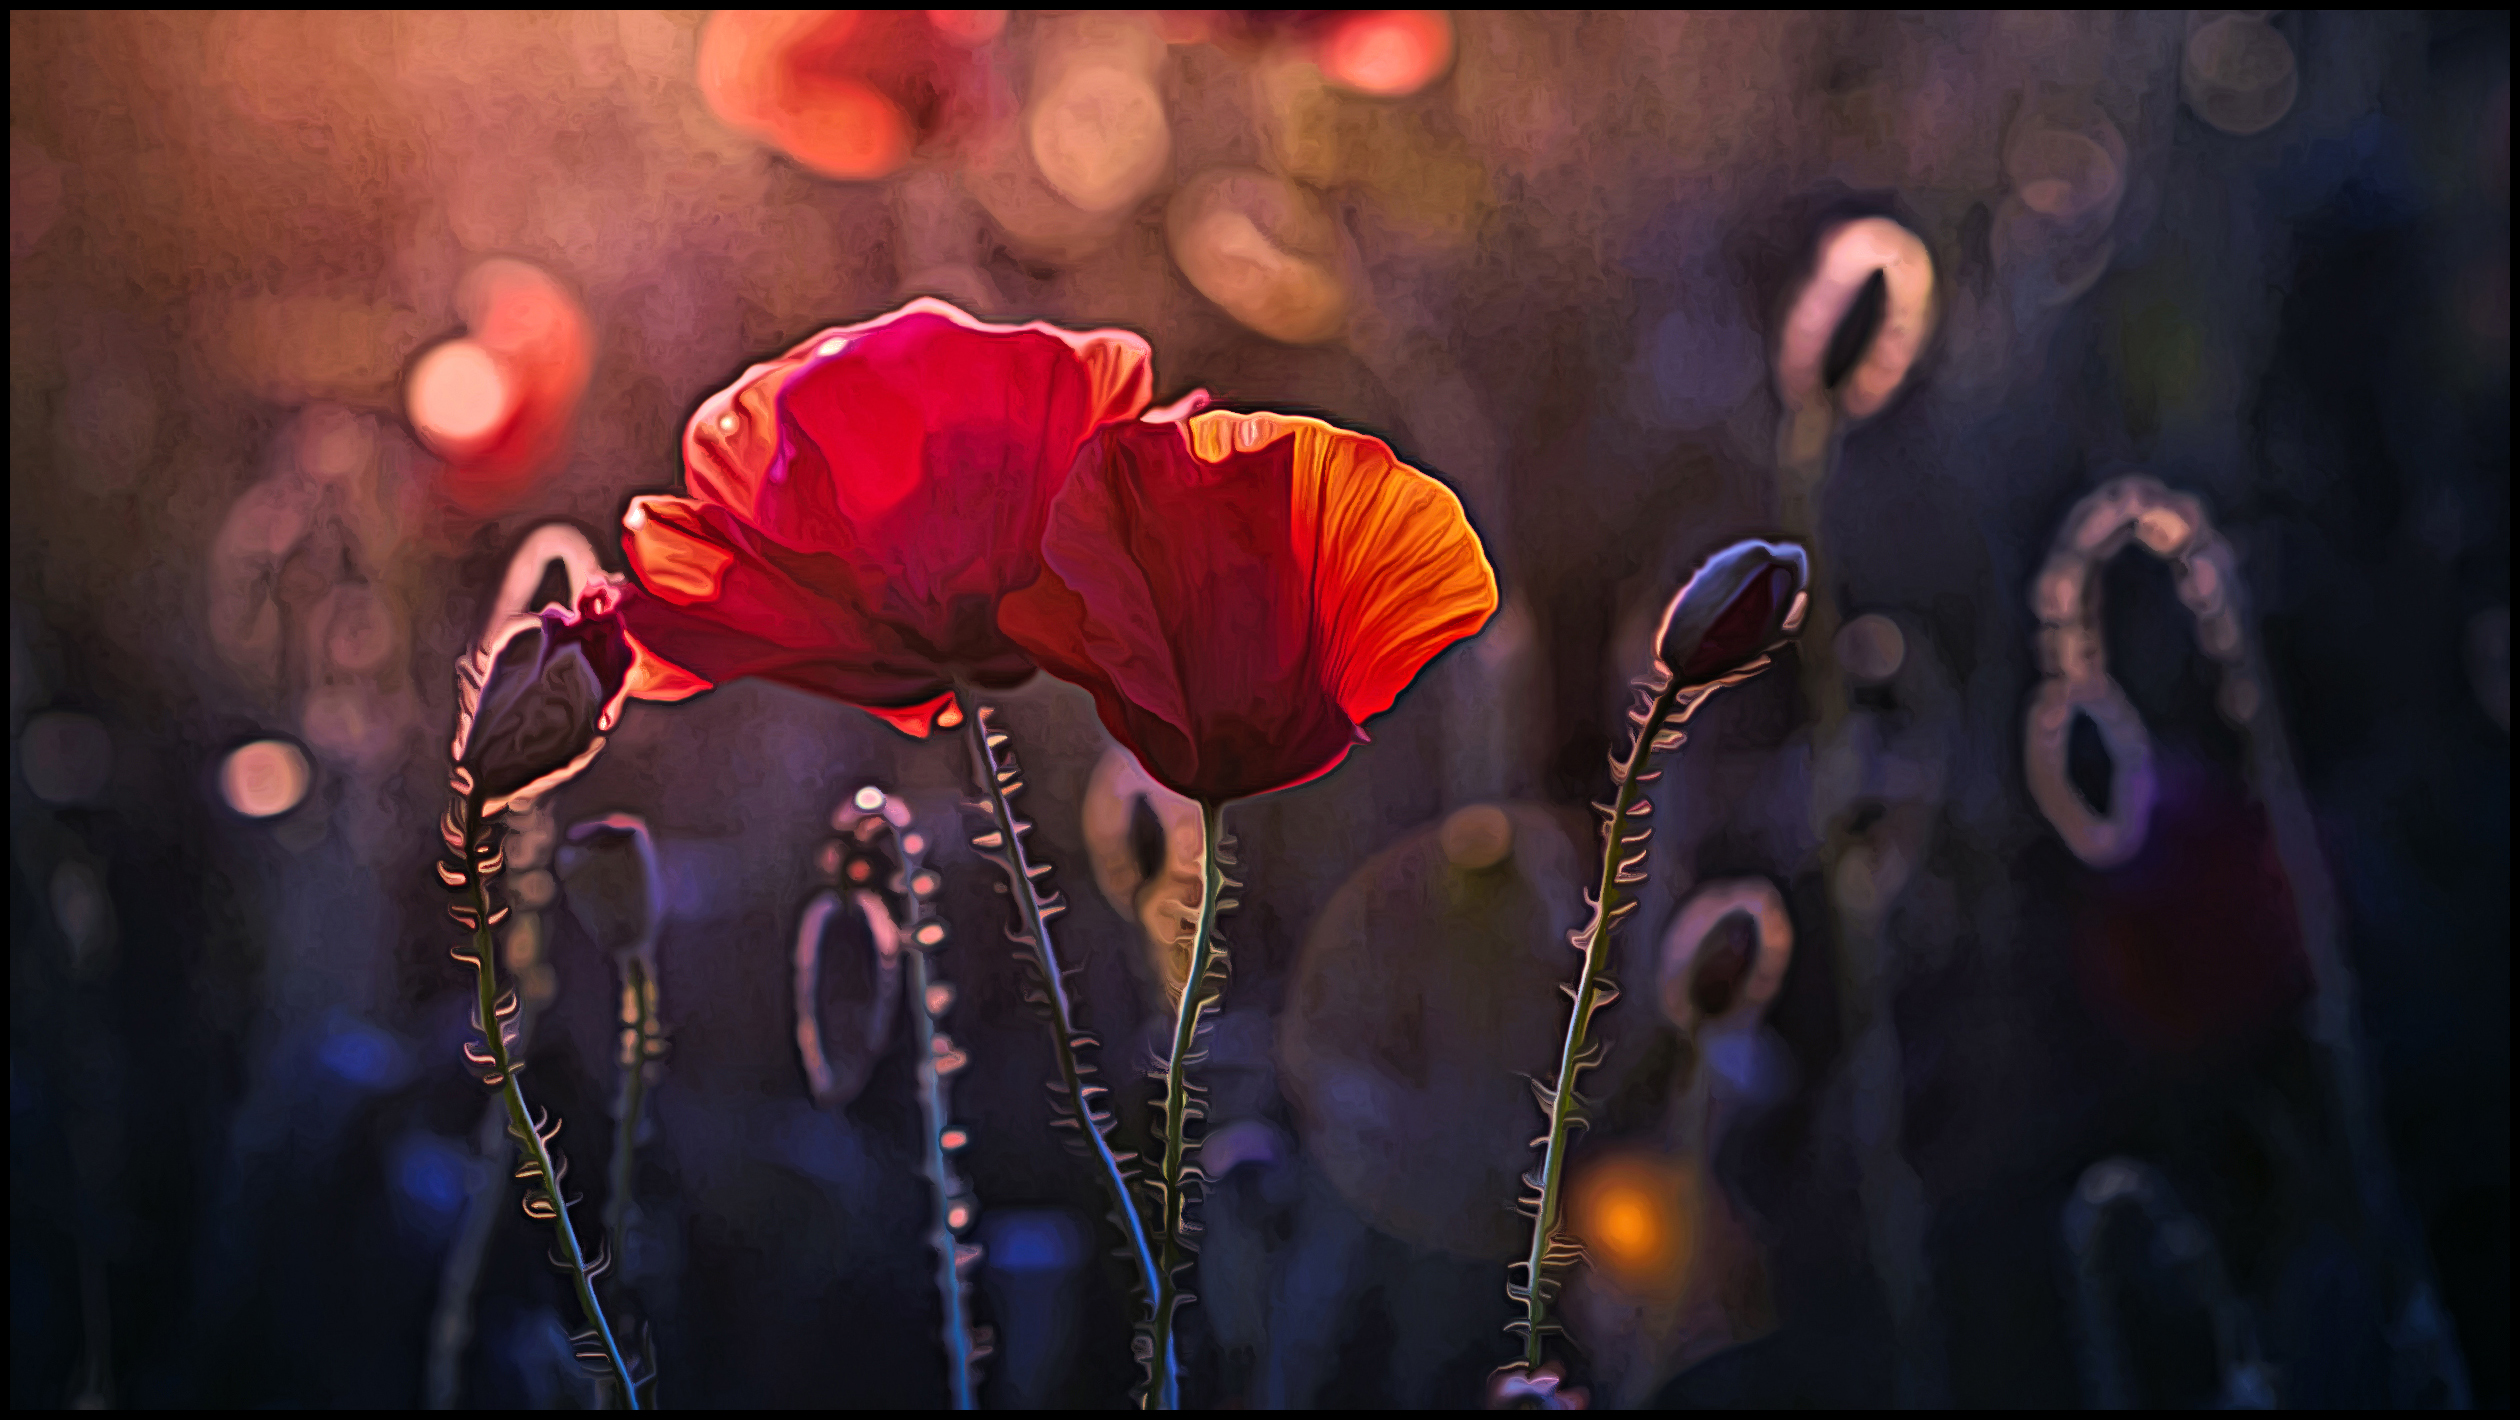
(1241, 592)
(857, 507)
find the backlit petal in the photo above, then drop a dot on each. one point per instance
(1238, 591)
(1396, 572)
(767, 612)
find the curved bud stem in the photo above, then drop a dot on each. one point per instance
(1195, 1001)
(533, 1142)
(996, 781)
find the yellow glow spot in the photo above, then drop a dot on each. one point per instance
(728, 423)
(458, 396)
(949, 717)
(833, 346)
(869, 799)
(265, 778)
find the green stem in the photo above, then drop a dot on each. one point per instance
(1546, 1252)
(520, 1118)
(1064, 1035)
(639, 1025)
(1194, 1002)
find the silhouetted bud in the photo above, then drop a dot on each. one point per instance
(1739, 606)
(536, 698)
(608, 868)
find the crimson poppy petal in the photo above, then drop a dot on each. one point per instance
(920, 451)
(720, 603)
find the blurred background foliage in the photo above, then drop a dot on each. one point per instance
(314, 317)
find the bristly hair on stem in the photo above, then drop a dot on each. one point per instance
(1073, 1096)
(474, 839)
(880, 865)
(1716, 633)
(1202, 988)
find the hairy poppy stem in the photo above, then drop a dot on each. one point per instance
(1195, 1000)
(536, 1145)
(638, 1046)
(1549, 1248)
(1064, 1035)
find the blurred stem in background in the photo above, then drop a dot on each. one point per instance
(893, 890)
(1856, 330)
(1004, 843)
(451, 1328)
(1196, 1000)
(641, 1043)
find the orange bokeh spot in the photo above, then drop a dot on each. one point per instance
(841, 128)
(1387, 53)
(1637, 1216)
(846, 93)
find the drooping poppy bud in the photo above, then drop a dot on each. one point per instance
(536, 698)
(608, 868)
(1737, 607)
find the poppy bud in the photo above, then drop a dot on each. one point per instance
(537, 698)
(1739, 606)
(608, 866)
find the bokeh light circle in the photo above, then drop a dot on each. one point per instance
(459, 396)
(265, 779)
(1387, 53)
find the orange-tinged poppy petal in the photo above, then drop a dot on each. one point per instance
(652, 677)
(1397, 573)
(915, 720)
(1238, 591)
(670, 555)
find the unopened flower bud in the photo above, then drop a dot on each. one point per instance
(1738, 607)
(536, 698)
